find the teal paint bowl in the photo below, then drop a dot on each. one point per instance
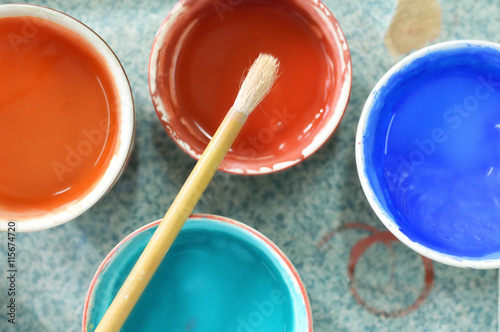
(219, 275)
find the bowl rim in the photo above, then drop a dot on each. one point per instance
(456, 261)
(126, 122)
(275, 250)
(321, 137)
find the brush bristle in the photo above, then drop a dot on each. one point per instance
(257, 83)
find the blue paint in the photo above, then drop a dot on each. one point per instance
(432, 148)
(214, 278)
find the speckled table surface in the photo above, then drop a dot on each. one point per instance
(315, 212)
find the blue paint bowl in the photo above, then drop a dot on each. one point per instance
(428, 152)
(219, 275)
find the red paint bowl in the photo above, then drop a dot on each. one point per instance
(196, 65)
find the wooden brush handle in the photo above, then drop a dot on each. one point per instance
(169, 228)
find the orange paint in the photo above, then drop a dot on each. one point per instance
(58, 119)
(218, 48)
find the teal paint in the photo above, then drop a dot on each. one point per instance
(214, 278)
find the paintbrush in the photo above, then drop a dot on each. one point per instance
(255, 87)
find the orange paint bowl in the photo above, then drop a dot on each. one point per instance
(201, 52)
(65, 154)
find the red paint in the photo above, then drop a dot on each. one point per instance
(357, 251)
(387, 238)
(198, 79)
(214, 56)
(58, 123)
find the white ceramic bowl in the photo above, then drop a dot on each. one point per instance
(126, 121)
(361, 142)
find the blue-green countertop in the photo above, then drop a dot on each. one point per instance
(315, 212)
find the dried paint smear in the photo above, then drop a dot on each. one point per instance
(414, 24)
